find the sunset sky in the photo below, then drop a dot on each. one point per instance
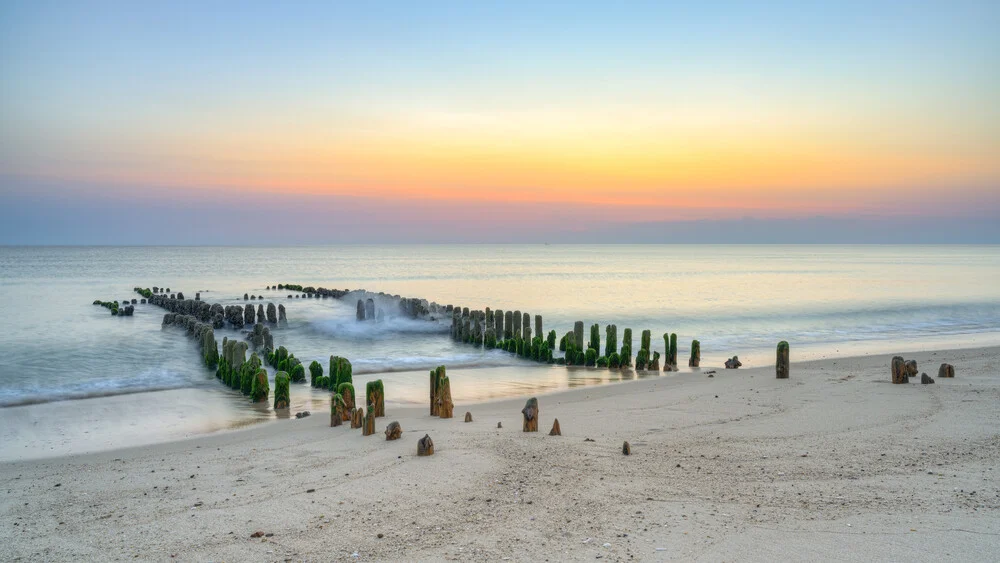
(533, 116)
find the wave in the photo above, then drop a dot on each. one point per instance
(148, 381)
(492, 358)
(366, 330)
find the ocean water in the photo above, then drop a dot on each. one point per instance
(75, 378)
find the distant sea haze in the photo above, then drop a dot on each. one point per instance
(187, 217)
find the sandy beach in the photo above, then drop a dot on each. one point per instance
(834, 464)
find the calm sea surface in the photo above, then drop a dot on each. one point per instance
(75, 378)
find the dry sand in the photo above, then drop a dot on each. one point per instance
(834, 464)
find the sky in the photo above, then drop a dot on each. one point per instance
(250, 122)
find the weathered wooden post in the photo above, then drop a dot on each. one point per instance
(346, 391)
(508, 325)
(357, 417)
(899, 370)
(281, 394)
(538, 325)
(946, 371)
(625, 357)
(498, 323)
(370, 310)
(610, 340)
(260, 388)
(368, 427)
(642, 357)
(530, 412)
(525, 325)
(578, 335)
(360, 314)
(445, 406)
(468, 416)
(516, 319)
(272, 314)
(551, 341)
(281, 315)
(695, 359)
(338, 410)
(670, 346)
(595, 337)
(555, 429)
(375, 394)
(781, 365)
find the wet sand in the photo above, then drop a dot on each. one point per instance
(833, 464)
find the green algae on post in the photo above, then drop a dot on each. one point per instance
(781, 365)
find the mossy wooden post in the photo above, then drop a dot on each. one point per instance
(551, 342)
(530, 414)
(781, 367)
(643, 356)
(260, 388)
(357, 417)
(610, 341)
(590, 359)
(508, 325)
(437, 375)
(516, 329)
(538, 325)
(525, 325)
(210, 348)
(338, 410)
(695, 359)
(490, 340)
(570, 341)
(625, 357)
(297, 373)
(375, 394)
(315, 372)
(369, 423)
(578, 335)
(281, 394)
(346, 392)
(498, 323)
(670, 346)
(899, 370)
(595, 338)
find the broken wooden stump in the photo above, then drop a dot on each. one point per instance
(626, 449)
(368, 426)
(357, 417)
(911, 368)
(338, 410)
(733, 363)
(530, 412)
(946, 370)
(425, 446)
(394, 431)
(898, 368)
(555, 428)
(925, 379)
(468, 417)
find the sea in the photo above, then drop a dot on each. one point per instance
(74, 379)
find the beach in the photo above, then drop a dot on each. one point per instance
(835, 464)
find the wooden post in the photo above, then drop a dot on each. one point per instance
(530, 412)
(781, 366)
(695, 360)
(578, 335)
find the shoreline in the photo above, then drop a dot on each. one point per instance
(224, 412)
(737, 466)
